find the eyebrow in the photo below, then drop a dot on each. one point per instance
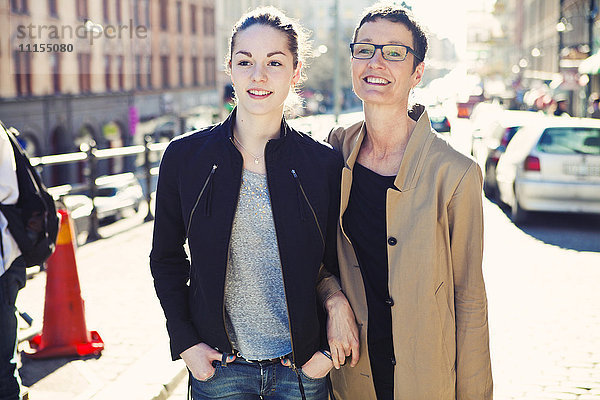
(271, 54)
(367, 40)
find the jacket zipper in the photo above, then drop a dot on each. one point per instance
(309, 205)
(287, 307)
(210, 175)
(226, 264)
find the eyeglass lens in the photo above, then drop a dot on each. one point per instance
(390, 52)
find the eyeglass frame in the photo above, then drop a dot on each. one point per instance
(380, 47)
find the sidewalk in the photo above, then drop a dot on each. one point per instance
(120, 303)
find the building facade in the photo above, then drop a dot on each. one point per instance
(76, 71)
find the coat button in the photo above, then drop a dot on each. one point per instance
(392, 241)
(389, 301)
(357, 266)
(393, 360)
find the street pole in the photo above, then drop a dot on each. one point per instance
(560, 34)
(337, 96)
(591, 17)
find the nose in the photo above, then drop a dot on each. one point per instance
(259, 73)
(377, 60)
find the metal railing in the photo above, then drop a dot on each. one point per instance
(91, 155)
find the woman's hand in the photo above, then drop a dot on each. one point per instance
(318, 366)
(199, 360)
(342, 331)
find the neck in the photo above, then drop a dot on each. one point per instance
(388, 128)
(254, 131)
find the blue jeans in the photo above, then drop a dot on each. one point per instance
(244, 380)
(11, 281)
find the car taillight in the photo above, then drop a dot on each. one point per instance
(531, 164)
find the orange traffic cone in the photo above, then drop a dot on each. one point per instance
(64, 332)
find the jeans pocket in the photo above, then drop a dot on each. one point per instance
(310, 378)
(212, 377)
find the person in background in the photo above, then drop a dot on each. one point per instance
(594, 105)
(410, 240)
(257, 202)
(12, 276)
(562, 107)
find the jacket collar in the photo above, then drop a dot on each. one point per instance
(414, 156)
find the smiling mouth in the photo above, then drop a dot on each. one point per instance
(371, 80)
(259, 94)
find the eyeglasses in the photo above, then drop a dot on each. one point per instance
(391, 52)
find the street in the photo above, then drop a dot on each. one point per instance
(541, 279)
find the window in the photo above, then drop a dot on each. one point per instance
(118, 7)
(138, 71)
(83, 62)
(179, 21)
(55, 71)
(209, 71)
(149, 72)
(180, 70)
(193, 18)
(147, 13)
(105, 11)
(81, 8)
(23, 73)
(120, 69)
(209, 21)
(164, 66)
(163, 15)
(19, 6)
(195, 71)
(52, 8)
(571, 140)
(107, 72)
(136, 12)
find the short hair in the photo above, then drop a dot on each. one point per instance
(397, 14)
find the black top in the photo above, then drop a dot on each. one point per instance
(365, 223)
(196, 198)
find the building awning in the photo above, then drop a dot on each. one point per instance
(590, 65)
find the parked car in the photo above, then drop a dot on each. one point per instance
(439, 120)
(117, 194)
(80, 208)
(489, 142)
(552, 165)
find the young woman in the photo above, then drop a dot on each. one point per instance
(258, 203)
(412, 222)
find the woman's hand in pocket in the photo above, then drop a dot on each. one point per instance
(318, 366)
(199, 359)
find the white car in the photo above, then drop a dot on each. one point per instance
(117, 193)
(489, 141)
(552, 165)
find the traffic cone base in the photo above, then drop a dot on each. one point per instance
(92, 347)
(64, 332)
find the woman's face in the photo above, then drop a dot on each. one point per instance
(262, 69)
(377, 80)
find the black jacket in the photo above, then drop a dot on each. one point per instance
(196, 198)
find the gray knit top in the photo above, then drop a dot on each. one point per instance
(255, 305)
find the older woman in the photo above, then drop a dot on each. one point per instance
(410, 239)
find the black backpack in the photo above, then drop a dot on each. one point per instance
(33, 221)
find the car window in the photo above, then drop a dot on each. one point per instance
(570, 140)
(106, 192)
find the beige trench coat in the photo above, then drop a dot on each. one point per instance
(439, 315)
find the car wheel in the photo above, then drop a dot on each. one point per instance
(518, 214)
